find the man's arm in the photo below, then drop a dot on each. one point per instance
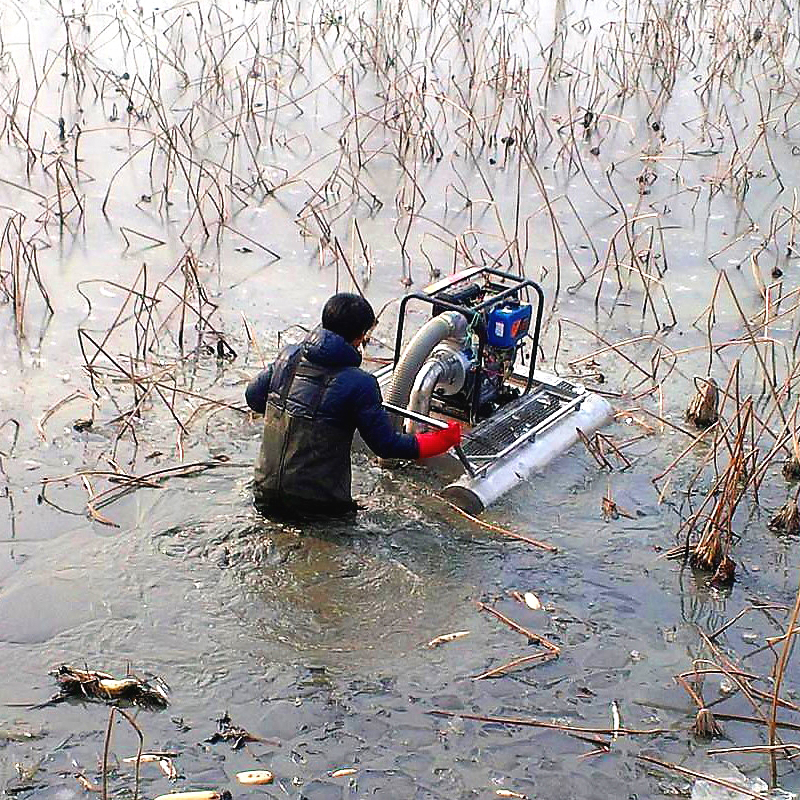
(257, 390)
(376, 429)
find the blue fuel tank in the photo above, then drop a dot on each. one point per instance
(507, 324)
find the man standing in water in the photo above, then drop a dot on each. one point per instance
(314, 397)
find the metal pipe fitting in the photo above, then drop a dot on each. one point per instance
(445, 370)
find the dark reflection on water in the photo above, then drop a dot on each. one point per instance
(379, 582)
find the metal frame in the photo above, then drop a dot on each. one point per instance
(475, 316)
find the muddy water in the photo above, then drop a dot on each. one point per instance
(314, 637)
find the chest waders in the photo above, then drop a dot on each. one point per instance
(304, 462)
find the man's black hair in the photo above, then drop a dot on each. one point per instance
(349, 315)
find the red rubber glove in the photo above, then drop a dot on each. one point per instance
(438, 442)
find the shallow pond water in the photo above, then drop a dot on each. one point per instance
(313, 637)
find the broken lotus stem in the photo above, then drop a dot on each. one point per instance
(705, 726)
(707, 553)
(786, 519)
(725, 574)
(791, 468)
(703, 411)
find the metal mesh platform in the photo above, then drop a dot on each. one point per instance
(568, 389)
(518, 419)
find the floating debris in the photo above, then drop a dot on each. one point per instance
(791, 468)
(86, 784)
(238, 737)
(536, 659)
(532, 601)
(97, 686)
(447, 637)
(201, 794)
(343, 772)
(616, 720)
(511, 793)
(17, 735)
(703, 411)
(167, 766)
(147, 758)
(163, 760)
(528, 599)
(255, 777)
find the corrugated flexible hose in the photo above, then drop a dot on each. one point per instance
(449, 325)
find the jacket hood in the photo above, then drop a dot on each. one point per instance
(328, 349)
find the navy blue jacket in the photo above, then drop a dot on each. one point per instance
(352, 401)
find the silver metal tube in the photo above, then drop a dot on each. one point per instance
(474, 494)
(446, 369)
(422, 390)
